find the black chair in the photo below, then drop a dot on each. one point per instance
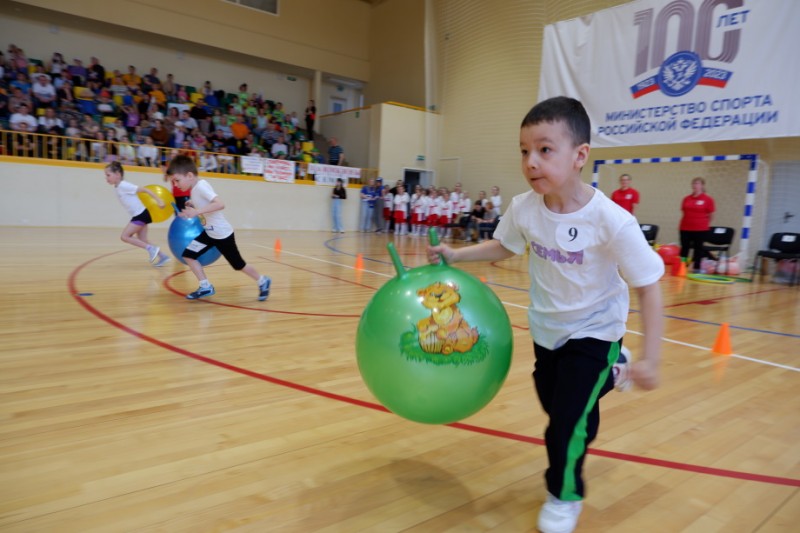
(718, 239)
(650, 233)
(781, 246)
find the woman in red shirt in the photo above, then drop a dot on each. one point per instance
(697, 210)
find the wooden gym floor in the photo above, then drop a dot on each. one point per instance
(125, 407)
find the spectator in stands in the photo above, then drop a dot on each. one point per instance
(159, 134)
(73, 128)
(240, 131)
(490, 220)
(188, 121)
(23, 116)
(21, 81)
(23, 144)
(179, 135)
(126, 153)
(208, 162)
(182, 95)
(150, 80)
(117, 86)
(131, 116)
(120, 131)
(157, 95)
(44, 93)
(280, 147)
(311, 117)
(226, 162)
(57, 65)
(482, 198)
(207, 90)
(4, 113)
(131, 78)
(97, 150)
(147, 153)
(335, 153)
(96, 73)
(270, 136)
(626, 196)
(18, 97)
(80, 75)
(65, 93)
(199, 141)
(89, 127)
(243, 95)
(173, 116)
(105, 105)
(50, 123)
(168, 86)
(199, 111)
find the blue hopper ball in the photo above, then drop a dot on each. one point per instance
(182, 231)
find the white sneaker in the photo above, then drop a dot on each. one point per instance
(152, 251)
(558, 516)
(622, 370)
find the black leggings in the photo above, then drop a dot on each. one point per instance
(693, 240)
(227, 247)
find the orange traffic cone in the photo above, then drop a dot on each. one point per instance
(483, 279)
(721, 352)
(722, 345)
(681, 270)
(277, 245)
(359, 262)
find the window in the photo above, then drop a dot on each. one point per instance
(268, 6)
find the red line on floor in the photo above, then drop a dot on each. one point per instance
(75, 293)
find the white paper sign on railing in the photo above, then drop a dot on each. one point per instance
(328, 174)
(279, 170)
(657, 71)
(252, 164)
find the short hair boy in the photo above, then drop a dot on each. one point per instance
(580, 242)
(217, 231)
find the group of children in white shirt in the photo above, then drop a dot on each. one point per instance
(429, 208)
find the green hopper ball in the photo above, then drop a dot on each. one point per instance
(434, 344)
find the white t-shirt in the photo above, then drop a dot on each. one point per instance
(401, 202)
(497, 202)
(126, 191)
(575, 263)
(215, 224)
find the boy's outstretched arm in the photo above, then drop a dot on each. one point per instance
(490, 250)
(645, 371)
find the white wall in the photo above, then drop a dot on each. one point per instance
(78, 195)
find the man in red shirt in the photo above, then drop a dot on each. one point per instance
(626, 196)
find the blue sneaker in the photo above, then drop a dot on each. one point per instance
(263, 289)
(201, 292)
(163, 259)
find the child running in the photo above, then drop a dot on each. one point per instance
(217, 231)
(580, 242)
(135, 232)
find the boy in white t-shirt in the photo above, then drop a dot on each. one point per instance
(579, 243)
(217, 231)
(135, 233)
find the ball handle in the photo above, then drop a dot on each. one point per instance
(433, 236)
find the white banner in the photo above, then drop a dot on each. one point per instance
(252, 164)
(328, 174)
(279, 170)
(657, 71)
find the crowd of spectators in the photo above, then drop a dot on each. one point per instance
(107, 115)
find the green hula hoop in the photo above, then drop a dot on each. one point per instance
(711, 278)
